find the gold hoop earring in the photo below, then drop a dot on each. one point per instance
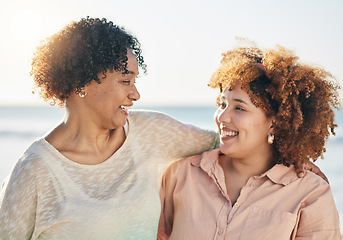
(271, 138)
(82, 93)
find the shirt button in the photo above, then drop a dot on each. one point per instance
(220, 231)
(236, 205)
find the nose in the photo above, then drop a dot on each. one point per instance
(223, 116)
(134, 94)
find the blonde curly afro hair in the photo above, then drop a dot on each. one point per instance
(301, 97)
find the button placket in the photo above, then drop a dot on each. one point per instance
(222, 220)
(220, 233)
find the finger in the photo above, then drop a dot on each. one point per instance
(300, 170)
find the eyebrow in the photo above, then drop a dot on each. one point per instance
(239, 100)
(223, 98)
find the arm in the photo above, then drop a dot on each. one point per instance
(18, 198)
(318, 217)
(165, 224)
(173, 139)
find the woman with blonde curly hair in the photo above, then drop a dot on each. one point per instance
(273, 113)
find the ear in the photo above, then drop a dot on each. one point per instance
(88, 85)
(272, 124)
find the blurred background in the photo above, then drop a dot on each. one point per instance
(182, 42)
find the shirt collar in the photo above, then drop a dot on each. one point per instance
(279, 173)
(207, 161)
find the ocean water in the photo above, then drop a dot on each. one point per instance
(20, 126)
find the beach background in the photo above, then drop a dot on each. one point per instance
(182, 42)
(20, 126)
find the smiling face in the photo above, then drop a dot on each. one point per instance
(109, 101)
(243, 127)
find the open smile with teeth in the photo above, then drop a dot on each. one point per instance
(125, 108)
(229, 133)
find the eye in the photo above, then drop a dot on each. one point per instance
(127, 82)
(239, 108)
(222, 105)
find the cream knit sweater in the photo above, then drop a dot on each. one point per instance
(47, 196)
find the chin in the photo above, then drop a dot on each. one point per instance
(224, 149)
(120, 124)
(117, 124)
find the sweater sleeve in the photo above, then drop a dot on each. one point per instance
(18, 199)
(318, 217)
(188, 140)
(172, 139)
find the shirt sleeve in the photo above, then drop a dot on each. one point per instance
(165, 224)
(18, 199)
(318, 216)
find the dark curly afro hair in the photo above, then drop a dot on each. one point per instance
(301, 97)
(68, 60)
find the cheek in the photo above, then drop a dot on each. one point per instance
(242, 122)
(260, 130)
(246, 122)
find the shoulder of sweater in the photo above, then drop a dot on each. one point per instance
(33, 155)
(155, 119)
(28, 165)
(148, 114)
(152, 117)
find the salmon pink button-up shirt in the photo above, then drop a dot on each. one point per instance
(273, 206)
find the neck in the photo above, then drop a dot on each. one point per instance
(82, 128)
(79, 130)
(248, 166)
(237, 171)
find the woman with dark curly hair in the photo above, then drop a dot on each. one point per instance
(273, 113)
(97, 174)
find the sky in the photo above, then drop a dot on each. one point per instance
(182, 40)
